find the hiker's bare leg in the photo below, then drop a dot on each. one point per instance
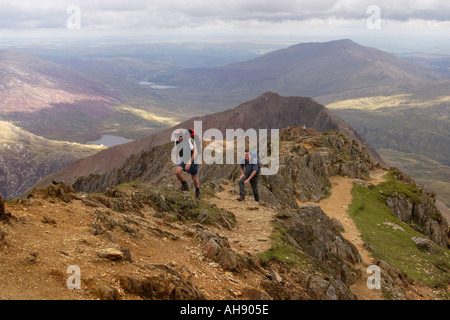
(196, 181)
(178, 173)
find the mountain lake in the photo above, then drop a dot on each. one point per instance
(110, 141)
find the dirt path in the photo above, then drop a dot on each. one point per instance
(336, 206)
(254, 224)
(253, 221)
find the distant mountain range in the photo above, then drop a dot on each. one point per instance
(268, 111)
(51, 100)
(327, 71)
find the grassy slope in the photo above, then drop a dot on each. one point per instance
(369, 211)
(424, 170)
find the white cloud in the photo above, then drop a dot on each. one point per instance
(224, 16)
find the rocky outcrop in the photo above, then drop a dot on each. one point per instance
(423, 244)
(141, 241)
(419, 211)
(308, 158)
(218, 249)
(394, 282)
(331, 260)
(161, 287)
(306, 161)
(315, 234)
(279, 112)
(308, 230)
(167, 285)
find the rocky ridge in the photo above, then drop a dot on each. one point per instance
(280, 112)
(307, 159)
(420, 210)
(137, 239)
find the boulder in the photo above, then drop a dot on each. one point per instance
(203, 215)
(60, 190)
(333, 289)
(393, 226)
(423, 244)
(394, 283)
(115, 254)
(316, 235)
(218, 249)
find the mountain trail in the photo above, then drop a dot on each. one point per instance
(254, 224)
(253, 221)
(336, 206)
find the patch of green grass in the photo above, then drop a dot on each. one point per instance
(184, 206)
(392, 187)
(327, 184)
(283, 252)
(423, 169)
(369, 211)
(128, 185)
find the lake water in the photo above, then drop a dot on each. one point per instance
(154, 85)
(110, 141)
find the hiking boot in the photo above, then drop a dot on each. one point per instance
(184, 186)
(197, 194)
(240, 198)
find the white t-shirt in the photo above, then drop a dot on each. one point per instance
(180, 158)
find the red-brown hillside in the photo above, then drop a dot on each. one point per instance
(50, 100)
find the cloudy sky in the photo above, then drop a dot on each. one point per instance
(400, 21)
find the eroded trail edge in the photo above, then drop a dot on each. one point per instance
(336, 206)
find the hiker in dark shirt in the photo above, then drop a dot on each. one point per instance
(249, 174)
(187, 163)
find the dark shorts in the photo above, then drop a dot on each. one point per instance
(193, 170)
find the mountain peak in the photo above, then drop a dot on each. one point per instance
(314, 69)
(269, 95)
(344, 41)
(334, 44)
